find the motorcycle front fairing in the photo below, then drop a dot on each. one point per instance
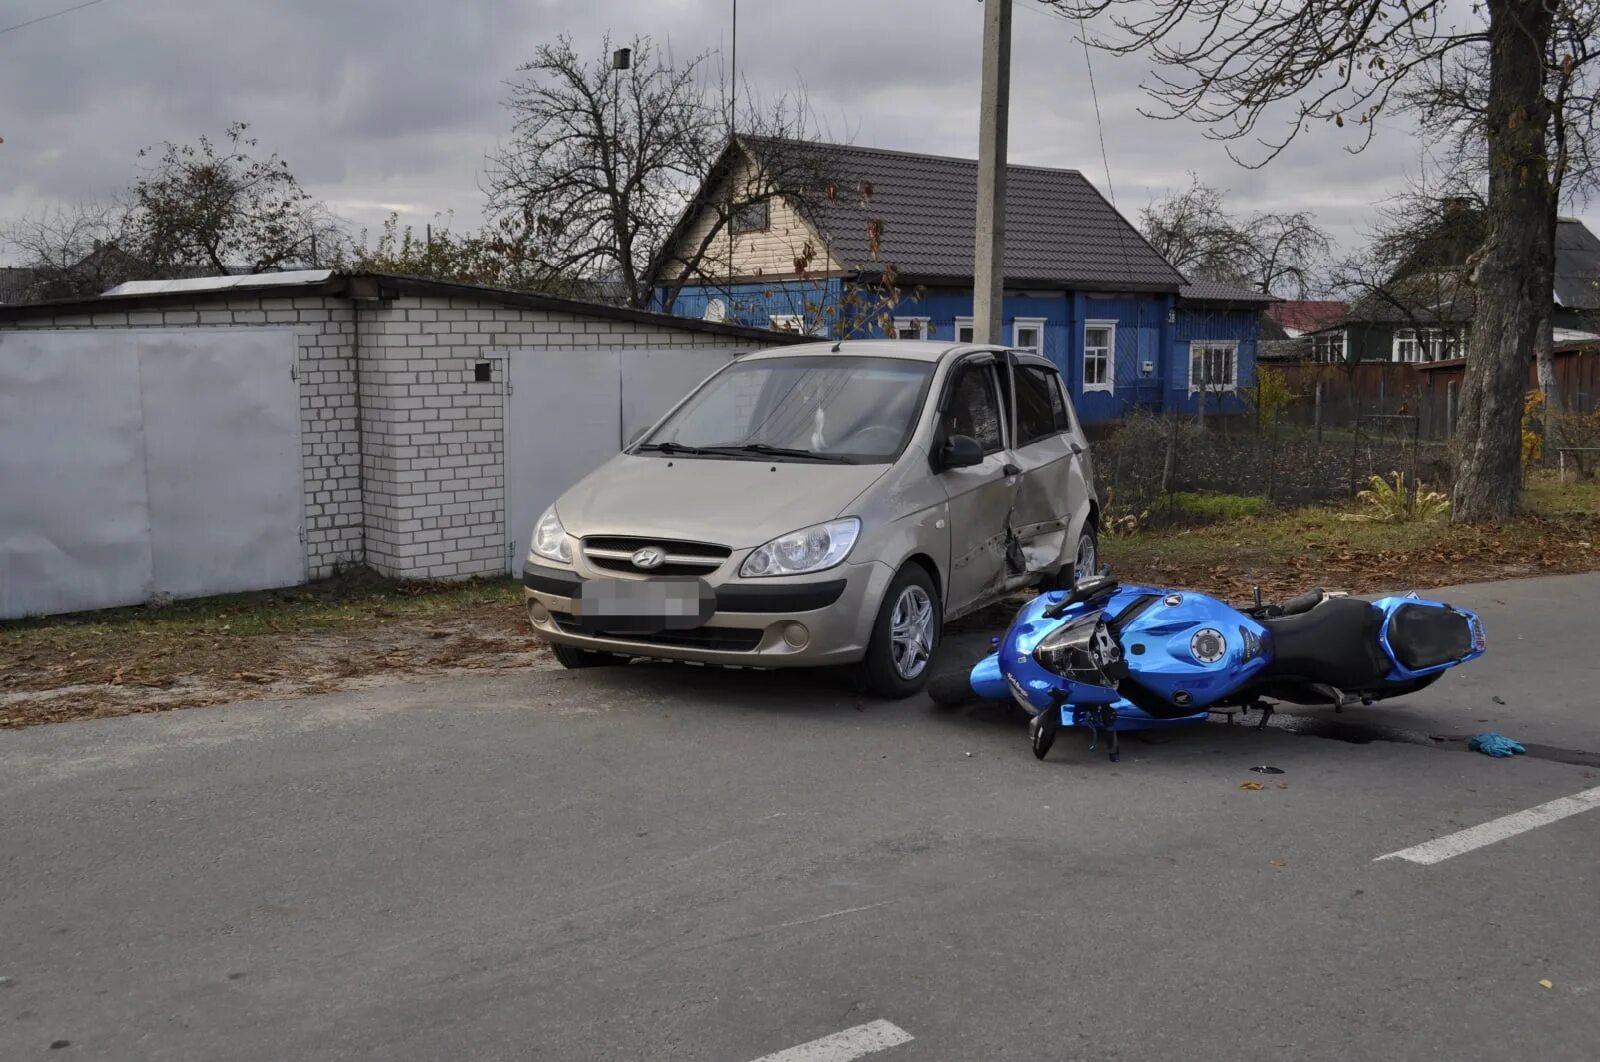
(1184, 652)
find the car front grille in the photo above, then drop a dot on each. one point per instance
(615, 554)
(717, 639)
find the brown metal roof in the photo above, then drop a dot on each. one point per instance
(920, 211)
(1577, 266)
(1211, 291)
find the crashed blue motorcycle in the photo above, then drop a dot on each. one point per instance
(1108, 658)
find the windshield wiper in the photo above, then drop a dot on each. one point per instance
(768, 450)
(674, 448)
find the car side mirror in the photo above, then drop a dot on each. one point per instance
(960, 451)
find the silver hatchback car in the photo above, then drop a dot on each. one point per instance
(825, 504)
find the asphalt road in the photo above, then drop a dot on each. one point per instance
(664, 862)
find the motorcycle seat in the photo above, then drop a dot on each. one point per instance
(1335, 643)
(1424, 636)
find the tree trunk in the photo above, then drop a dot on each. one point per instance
(1516, 268)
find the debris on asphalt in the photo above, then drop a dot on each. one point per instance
(1264, 769)
(1496, 745)
(1497, 699)
(1283, 785)
(1545, 982)
(1280, 864)
(969, 755)
(56, 1045)
(1252, 786)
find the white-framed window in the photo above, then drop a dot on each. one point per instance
(1406, 347)
(1099, 355)
(1329, 346)
(965, 330)
(1416, 345)
(1213, 366)
(911, 328)
(1027, 333)
(787, 322)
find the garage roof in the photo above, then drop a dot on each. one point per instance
(364, 286)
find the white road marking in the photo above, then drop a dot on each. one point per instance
(1462, 841)
(843, 1046)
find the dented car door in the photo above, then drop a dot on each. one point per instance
(978, 497)
(1053, 459)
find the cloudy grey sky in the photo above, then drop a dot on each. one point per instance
(383, 105)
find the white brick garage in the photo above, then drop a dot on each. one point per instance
(402, 445)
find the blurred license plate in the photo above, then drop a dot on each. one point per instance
(644, 605)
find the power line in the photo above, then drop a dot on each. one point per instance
(51, 15)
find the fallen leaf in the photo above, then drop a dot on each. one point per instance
(1252, 786)
(1545, 982)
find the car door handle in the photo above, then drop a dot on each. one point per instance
(1011, 470)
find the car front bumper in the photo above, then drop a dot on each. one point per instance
(803, 621)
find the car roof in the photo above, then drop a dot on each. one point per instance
(908, 349)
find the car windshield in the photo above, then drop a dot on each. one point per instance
(824, 408)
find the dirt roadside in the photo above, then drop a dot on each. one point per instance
(361, 630)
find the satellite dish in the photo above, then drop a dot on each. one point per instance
(716, 310)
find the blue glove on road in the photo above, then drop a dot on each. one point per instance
(1495, 745)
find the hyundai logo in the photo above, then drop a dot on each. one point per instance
(648, 558)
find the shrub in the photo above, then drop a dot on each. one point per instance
(1387, 503)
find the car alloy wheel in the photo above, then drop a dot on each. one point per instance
(911, 631)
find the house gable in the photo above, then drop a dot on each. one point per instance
(787, 247)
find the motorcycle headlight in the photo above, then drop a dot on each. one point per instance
(1082, 651)
(810, 549)
(550, 539)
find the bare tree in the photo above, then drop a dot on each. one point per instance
(601, 163)
(218, 208)
(72, 251)
(1238, 67)
(1452, 102)
(1270, 252)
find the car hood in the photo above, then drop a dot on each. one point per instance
(739, 504)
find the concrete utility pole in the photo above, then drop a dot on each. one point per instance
(988, 273)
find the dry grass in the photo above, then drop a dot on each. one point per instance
(1287, 552)
(335, 634)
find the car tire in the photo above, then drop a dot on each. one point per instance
(893, 667)
(1086, 550)
(573, 658)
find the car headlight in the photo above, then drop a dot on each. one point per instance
(810, 549)
(550, 539)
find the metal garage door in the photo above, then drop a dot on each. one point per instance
(142, 462)
(569, 411)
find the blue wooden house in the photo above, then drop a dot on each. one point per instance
(886, 248)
